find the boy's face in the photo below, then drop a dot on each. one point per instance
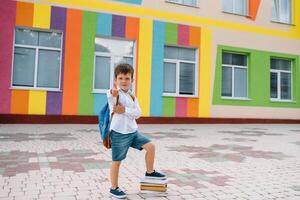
(124, 81)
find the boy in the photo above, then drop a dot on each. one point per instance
(124, 130)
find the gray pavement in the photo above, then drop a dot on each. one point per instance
(209, 162)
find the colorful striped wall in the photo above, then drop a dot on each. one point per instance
(171, 34)
(79, 30)
(151, 34)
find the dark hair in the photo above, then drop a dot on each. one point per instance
(124, 68)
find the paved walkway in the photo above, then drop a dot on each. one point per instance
(209, 162)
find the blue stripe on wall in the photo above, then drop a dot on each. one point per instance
(104, 23)
(156, 101)
(99, 101)
(131, 1)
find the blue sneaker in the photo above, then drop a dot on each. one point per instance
(118, 193)
(155, 175)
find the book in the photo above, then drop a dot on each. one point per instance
(154, 181)
(153, 193)
(154, 184)
(153, 188)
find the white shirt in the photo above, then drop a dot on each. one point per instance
(124, 123)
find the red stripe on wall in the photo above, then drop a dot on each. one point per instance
(72, 62)
(183, 35)
(132, 32)
(181, 107)
(7, 19)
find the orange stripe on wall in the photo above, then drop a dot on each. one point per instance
(24, 14)
(253, 8)
(194, 41)
(194, 36)
(132, 33)
(132, 28)
(19, 101)
(192, 107)
(72, 62)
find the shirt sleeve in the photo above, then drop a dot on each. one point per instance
(134, 111)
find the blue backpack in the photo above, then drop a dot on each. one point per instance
(104, 121)
(104, 124)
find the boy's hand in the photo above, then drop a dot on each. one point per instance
(119, 109)
(114, 91)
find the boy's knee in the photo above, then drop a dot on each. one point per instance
(149, 147)
(116, 163)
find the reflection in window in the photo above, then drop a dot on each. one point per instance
(108, 54)
(37, 59)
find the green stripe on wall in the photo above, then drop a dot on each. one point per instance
(171, 34)
(169, 106)
(89, 21)
(258, 79)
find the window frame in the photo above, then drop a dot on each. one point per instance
(232, 76)
(177, 62)
(278, 73)
(182, 3)
(37, 48)
(112, 59)
(279, 9)
(234, 6)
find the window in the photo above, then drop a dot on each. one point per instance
(281, 75)
(185, 2)
(108, 54)
(234, 75)
(281, 11)
(239, 7)
(37, 59)
(180, 71)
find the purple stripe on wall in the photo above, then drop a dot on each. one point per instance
(54, 104)
(58, 22)
(7, 19)
(118, 26)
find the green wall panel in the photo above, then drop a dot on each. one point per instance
(169, 106)
(258, 79)
(171, 34)
(86, 100)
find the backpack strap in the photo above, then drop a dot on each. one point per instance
(117, 102)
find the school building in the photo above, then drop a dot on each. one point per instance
(209, 60)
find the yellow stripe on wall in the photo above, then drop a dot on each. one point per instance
(41, 16)
(37, 102)
(144, 65)
(105, 6)
(295, 30)
(205, 72)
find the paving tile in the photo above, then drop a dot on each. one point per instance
(210, 162)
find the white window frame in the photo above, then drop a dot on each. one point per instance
(112, 67)
(181, 2)
(279, 9)
(278, 72)
(232, 77)
(177, 62)
(37, 48)
(234, 9)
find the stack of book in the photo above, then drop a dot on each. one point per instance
(153, 186)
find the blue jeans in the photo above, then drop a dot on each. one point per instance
(120, 143)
